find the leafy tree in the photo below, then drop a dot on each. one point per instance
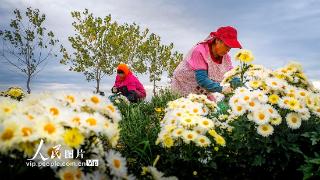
(158, 58)
(92, 46)
(100, 45)
(27, 45)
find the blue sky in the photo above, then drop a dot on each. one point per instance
(276, 31)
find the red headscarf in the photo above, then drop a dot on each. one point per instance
(124, 68)
(227, 34)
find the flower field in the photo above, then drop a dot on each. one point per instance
(268, 127)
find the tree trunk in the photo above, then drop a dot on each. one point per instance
(154, 87)
(28, 84)
(98, 85)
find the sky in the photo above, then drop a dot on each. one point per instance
(276, 31)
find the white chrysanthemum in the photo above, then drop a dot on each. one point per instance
(250, 116)
(111, 111)
(293, 120)
(93, 122)
(302, 94)
(316, 111)
(177, 133)
(7, 107)
(189, 136)
(49, 129)
(202, 141)
(272, 111)
(97, 175)
(261, 116)
(234, 100)
(54, 110)
(94, 101)
(74, 119)
(110, 129)
(265, 130)
(246, 97)
(260, 96)
(305, 115)
(241, 90)
(275, 83)
(8, 135)
(188, 121)
(310, 101)
(177, 113)
(70, 99)
(238, 109)
(171, 120)
(27, 130)
(157, 175)
(199, 130)
(253, 105)
(205, 123)
(71, 172)
(116, 163)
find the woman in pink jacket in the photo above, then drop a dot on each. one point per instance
(203, 68)
(128, 85)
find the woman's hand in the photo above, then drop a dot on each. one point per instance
(114, 90)
(227, 90)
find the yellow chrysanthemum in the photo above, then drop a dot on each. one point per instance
(293, 104)
(276, 121)
(220, 140)
(73, 138)
(212, 132)
(273, 98)
(255, 84)
(15, 92)
(167, 141)
(245, 56)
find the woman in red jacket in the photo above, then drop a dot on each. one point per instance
(128, 85)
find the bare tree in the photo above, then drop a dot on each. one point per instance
(27, 45)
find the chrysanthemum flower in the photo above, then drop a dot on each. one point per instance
(202, 141)
(167, 141)
(67, 173)
(245, 56)
(49, 129)
(255, 84)
(116, 163)
(220, 140)
(265, 130)
(273, 98)
(177, 133)
(205, 123)
(73, 138)
(293, 120)
(189, 136)
(276, 120)
(261, 116)
(8, 135)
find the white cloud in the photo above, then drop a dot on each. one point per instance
(316, 84)
(275, 38)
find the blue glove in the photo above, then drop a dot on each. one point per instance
(235, 82)
(205, 82)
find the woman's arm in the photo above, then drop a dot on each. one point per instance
(205, 82)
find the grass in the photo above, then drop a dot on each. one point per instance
(139, 130)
